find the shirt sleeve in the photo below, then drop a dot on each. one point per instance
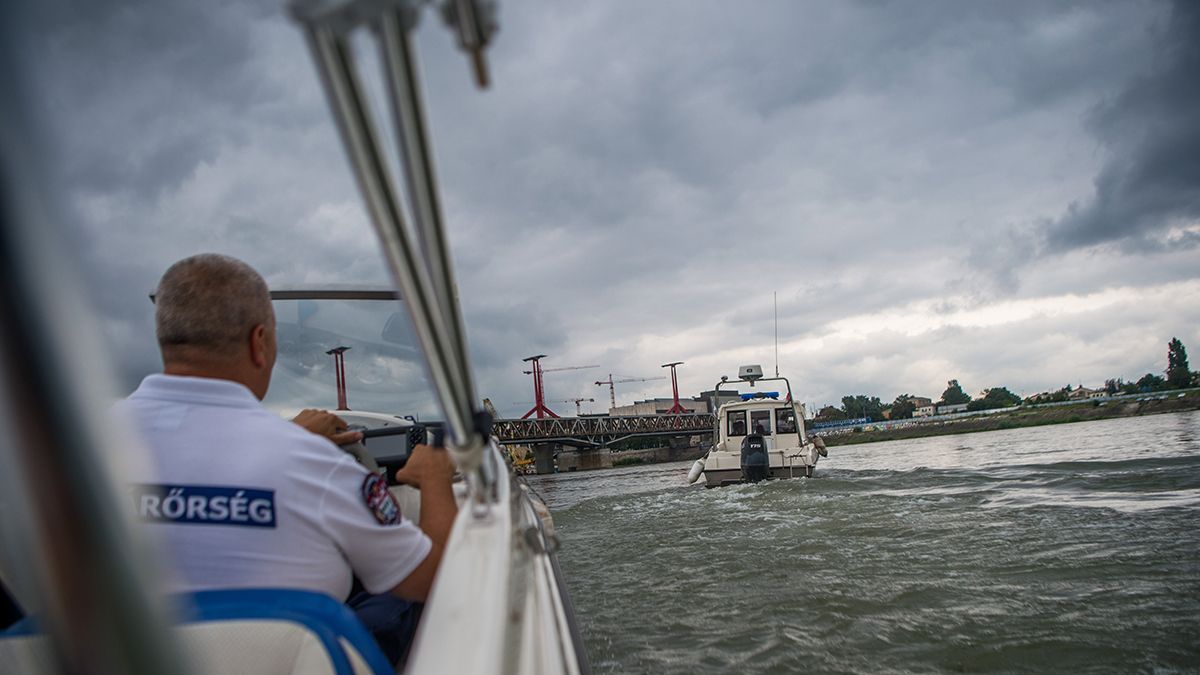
(382, 555)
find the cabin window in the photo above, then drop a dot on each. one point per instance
(737, 422)
(760, 419)
(785, 420)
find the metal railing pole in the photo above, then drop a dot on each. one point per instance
(447, 371)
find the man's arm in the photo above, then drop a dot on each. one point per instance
(430, 470)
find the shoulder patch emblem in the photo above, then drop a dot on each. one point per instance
(380, 501)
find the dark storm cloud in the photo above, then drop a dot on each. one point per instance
(146, 104)
(1151, 181)
(638, 180)
(671, 149)
(180, 56)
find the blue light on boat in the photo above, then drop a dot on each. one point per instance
(760, 394)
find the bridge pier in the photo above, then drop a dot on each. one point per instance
(584, 459)
(543, 457)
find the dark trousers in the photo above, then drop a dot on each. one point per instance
(391, 620)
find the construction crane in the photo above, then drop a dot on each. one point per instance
(676, 409)
(612, 391)
(577, 401)
(539, 391)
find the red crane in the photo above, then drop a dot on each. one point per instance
(612, 392)
(539, 390)
(339, 374)
(676, 409)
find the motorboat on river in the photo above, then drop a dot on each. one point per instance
(761, 417)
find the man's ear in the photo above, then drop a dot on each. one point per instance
(258, 346)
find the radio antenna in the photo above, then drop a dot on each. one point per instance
(775, 296)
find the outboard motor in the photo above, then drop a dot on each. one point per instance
(756, 465)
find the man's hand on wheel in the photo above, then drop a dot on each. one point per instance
(325, 423)
(427, 465)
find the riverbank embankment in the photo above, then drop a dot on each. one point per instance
(1027, 416)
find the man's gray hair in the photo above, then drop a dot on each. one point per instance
(209, 301)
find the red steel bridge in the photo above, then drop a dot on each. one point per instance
(600, 431)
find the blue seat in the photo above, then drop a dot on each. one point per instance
(329, 619)
(345, 641)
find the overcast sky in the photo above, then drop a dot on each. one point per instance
(1002, 193)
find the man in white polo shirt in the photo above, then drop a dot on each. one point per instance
(243, 498)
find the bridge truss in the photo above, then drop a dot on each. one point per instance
(599, 431)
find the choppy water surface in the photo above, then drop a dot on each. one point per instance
(1069, 548)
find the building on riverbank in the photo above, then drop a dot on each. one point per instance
(927, 408)
(658, 406)
(1082, 393)
(706, 402)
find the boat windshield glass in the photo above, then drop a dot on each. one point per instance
(785, 421)
(736, 423)
(383, 365)
(760, 422)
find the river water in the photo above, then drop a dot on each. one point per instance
(1068, 548)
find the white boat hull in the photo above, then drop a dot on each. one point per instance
(725, 468)
(721, 477)
(499, 587)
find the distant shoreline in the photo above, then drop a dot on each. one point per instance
(1084, 411)
(1015, 418)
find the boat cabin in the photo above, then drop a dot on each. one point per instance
(777, 419)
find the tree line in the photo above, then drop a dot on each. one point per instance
(1178, 375)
